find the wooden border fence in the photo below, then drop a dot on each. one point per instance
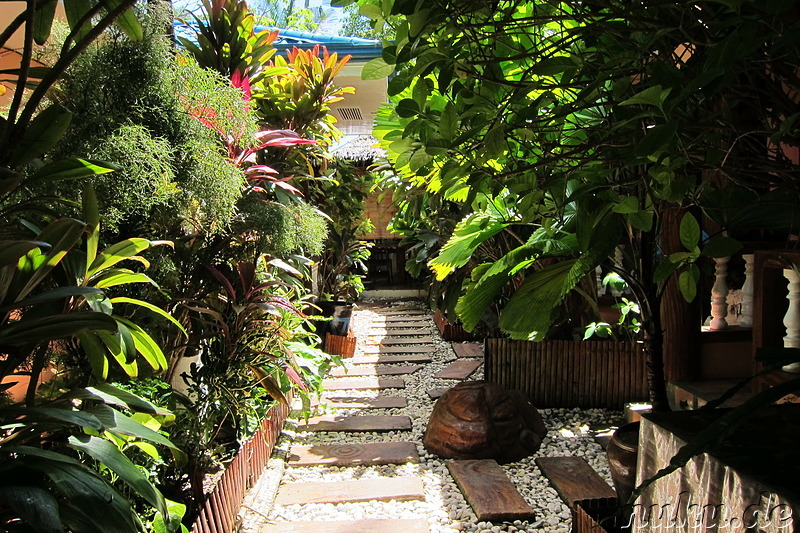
(569, 373)
(218, 513)
(450, 332)
(340, 345)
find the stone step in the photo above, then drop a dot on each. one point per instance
(357, 423)
(382, 370)
(356, 402)
(377, 453)
(424, 348)
(436, 393)
(401, 324)
(365, 383)
(389, 359)
(398, 332)
(488, 490)
(391, 320)
(574, 479)
(401, 312)
(362, 490)
(461, 369)
(389, 341)
(467, 349)
(372, 525)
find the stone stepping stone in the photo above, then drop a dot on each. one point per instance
(388, 341)
(357, 423)
(402, 312)
(355, 402)
(574, 479)
(383, 370)
(365, 383)
(467, 349)
(488, 490)
(458, 370)
(423, 348)
(372, 525)
(389, 359)
(392, 321)
(436, 393)
(377, 453)
(362, 490)
(398, 332)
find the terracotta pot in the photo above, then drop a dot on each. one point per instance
(622, 453)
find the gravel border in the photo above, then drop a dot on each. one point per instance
(444, 506)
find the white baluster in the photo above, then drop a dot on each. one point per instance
(598, 273)
(746, 318)
(792, 318)
(719, 294)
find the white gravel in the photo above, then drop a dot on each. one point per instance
(444, 507)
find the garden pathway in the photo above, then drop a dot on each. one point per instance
(398, 344)
(358, 465)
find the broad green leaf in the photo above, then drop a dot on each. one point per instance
(41, 135)
(69, 415)
(148, 448)
(687, 285)
(127, 21)
(12, 251)
(552, 66)
(43, 20)
(83, 489)
(62, 235)
(37, 330)
(37, 506)
(407, 108)
(656, 139)
(109, 455)
(664, 270)
(115, 253)
(67, 169)
(60, 293)
(371, 11)
(117, 422)
(641, 220)
(112, 395)
(96, 353)
(470, 233)
(653, 96)
(448, 122)
(626, 205)
(115, 347)
(146, 346)
(151, 307)
(721, 247)
(91, 216)
(75, 10)
(121, 277)
(376, 69)
(689, 231)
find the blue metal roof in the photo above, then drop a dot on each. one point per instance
(360, 49)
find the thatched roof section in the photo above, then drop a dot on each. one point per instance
(358, 149)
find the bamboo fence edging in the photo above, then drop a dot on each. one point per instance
(218, 513)
(340, 345)
(558, 373)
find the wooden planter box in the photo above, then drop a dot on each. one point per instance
(569, 373)
(450, 332)
(219, 512)
(344, 346)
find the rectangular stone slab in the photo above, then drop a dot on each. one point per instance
(399, 349)
(398, 332)
(390, 320)
(488, 490)
(402, 312)
(467, 349)
(376, 453)
(387, 341)
(401, 324)
(357, 423)
(355, 402)
(574, 479)
(365, 383)
(374, 358)
(436, 393)
(362, 490)
(382, 370)
(371, 525)
(458, 370)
